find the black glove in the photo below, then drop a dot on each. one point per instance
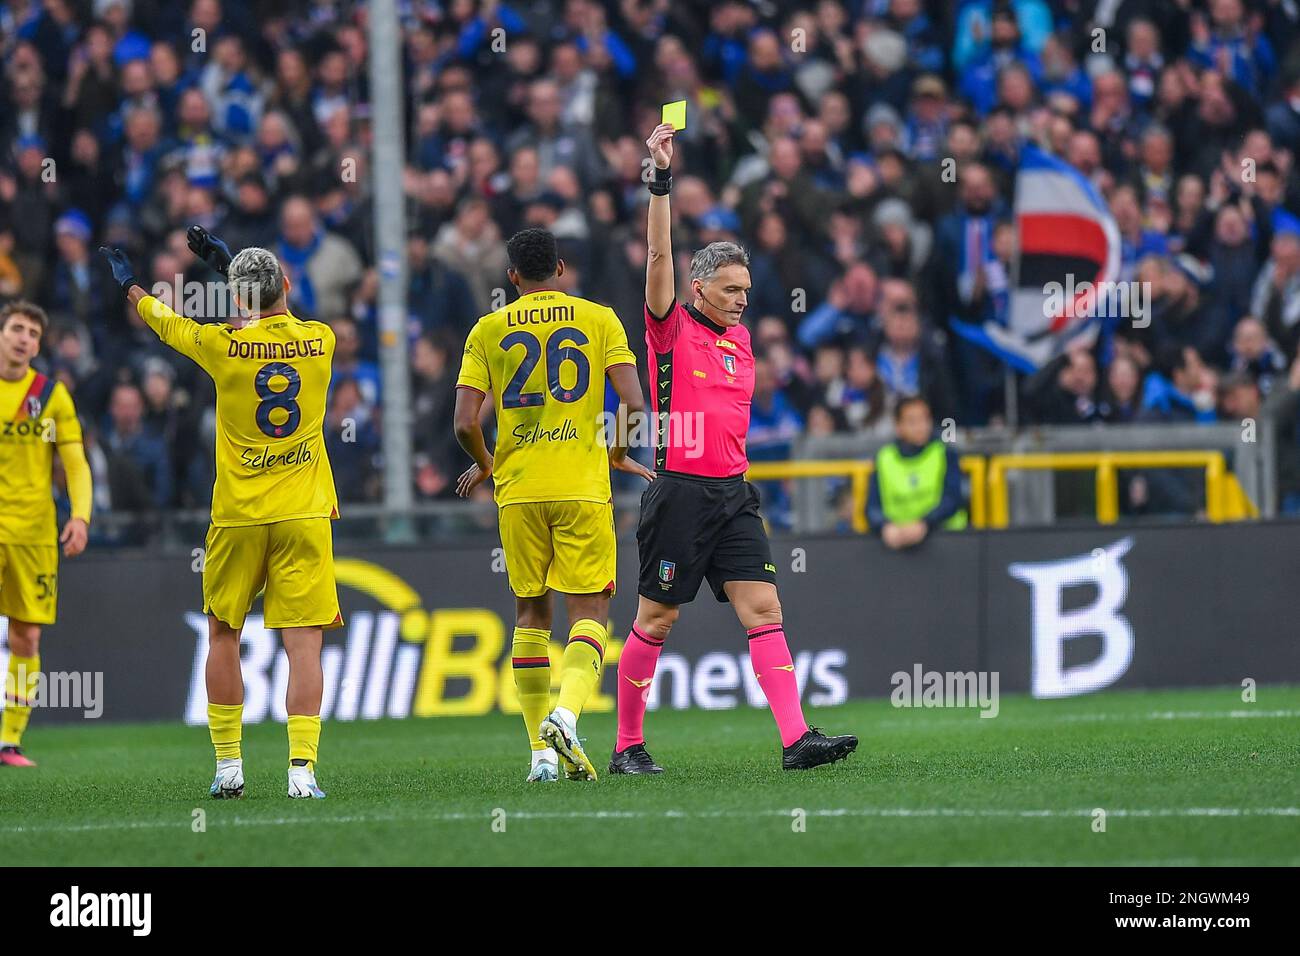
(121, 266)
(209, 248)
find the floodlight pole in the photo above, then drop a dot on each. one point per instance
(387, 163)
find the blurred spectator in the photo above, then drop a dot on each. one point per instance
(79, 289)
(11, 277)
(227, 84)
(849, 312)
(556, 143)
(1228, 41)
(1255, 355)
(1004, 49)
(139, 466)
(250, 220)
(1122, 393)
(438, 297)
(321, 267)
(1240, 399)
(773, 426)
(908, 361)
(862, 400)
(472, 246)
(1064, 392)
(1279, 412)
(1184, 311)
(352, 441)
(433, 381)
(1275, 298)
(1179, 389)
(169, 414)
(972, 282)
(349, 366)
(1232, 261)
(916, 484)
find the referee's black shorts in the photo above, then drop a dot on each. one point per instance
(695, 528)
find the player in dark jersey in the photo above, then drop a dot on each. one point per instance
(699, 517)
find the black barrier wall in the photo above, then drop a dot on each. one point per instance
(1055, 613)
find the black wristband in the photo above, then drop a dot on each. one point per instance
(662, 184)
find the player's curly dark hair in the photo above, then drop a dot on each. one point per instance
(533, 254)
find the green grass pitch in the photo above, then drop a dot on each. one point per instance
(1185, 777)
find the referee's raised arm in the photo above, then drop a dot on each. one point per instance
(660, 287)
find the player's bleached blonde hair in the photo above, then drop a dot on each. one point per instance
(256, 278)
(706, 263)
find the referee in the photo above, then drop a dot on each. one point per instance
(699, 517)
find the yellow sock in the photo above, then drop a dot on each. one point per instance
(530, 659)
(20, 692)
(226, 725)
(304, 738)
(582, 659)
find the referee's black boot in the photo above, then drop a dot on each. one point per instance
(814, 748)
(634, 759)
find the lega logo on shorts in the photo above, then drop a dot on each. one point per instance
(667, 571)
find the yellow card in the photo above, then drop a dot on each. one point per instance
(675, 113)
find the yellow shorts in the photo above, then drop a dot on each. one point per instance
(292, 560)
(566, 546)
(29, 582)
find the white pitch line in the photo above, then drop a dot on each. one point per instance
(1045, 864)
(827, 813)
(1183, 715)
(899, 722)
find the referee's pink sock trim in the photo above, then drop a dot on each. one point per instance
(770, 656)
(636, 669)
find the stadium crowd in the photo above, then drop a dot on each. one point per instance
(820, 135)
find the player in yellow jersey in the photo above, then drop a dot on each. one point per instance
(273, 497)
(36, 417)
(544, 358)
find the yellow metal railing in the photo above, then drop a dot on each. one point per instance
(989, 499)
(976, 469)
(859, 474)
(1223, 497)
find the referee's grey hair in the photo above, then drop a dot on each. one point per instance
(706, 263)
(256, 279)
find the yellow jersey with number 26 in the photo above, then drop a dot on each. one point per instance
(543, 357)
(272, 378)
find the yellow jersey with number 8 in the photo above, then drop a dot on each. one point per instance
(272, 378)
(543, 357)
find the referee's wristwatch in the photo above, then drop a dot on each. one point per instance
(662, 183)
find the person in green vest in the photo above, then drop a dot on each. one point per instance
(916, 484)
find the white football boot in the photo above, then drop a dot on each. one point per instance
(229, 782)
(302, 784)
(545, 769)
